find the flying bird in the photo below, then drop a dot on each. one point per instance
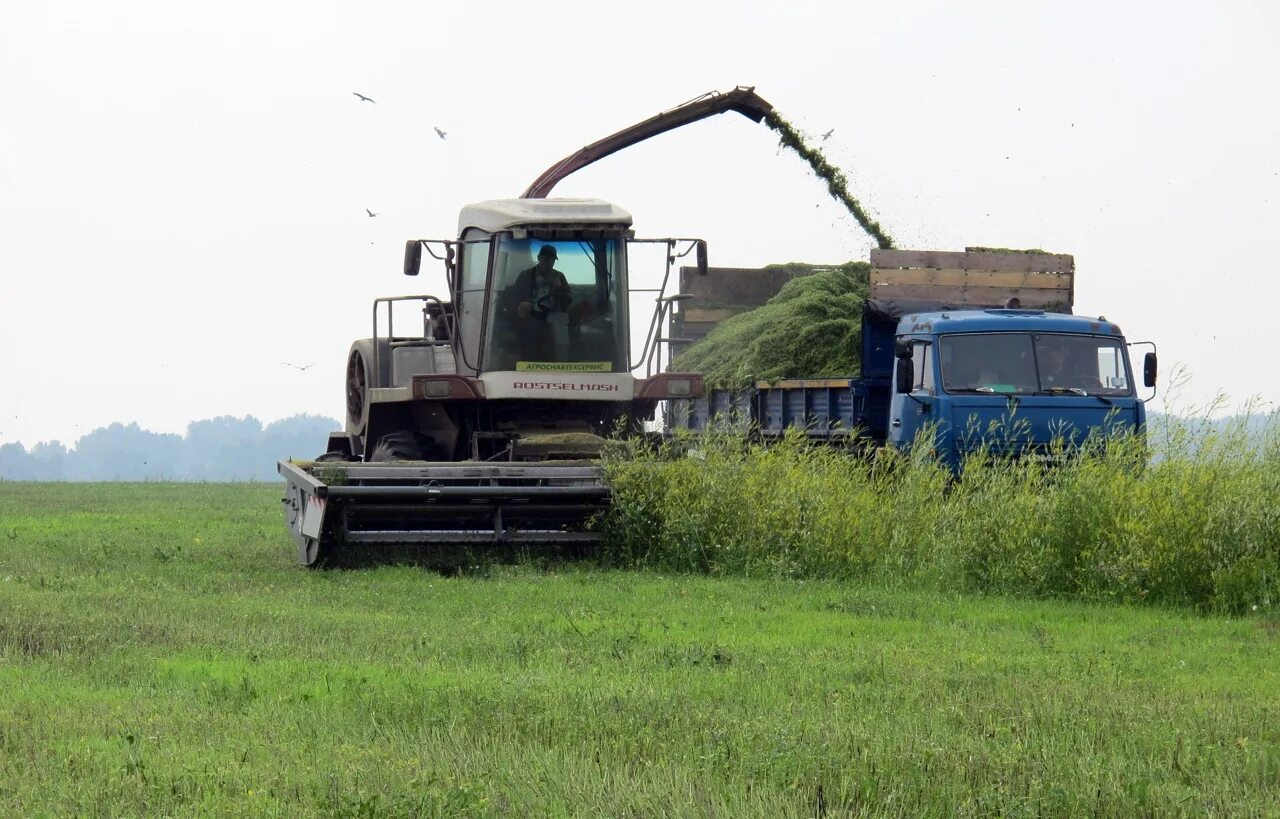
(302, 367)
(828, 134)
(438, 131)
(363, 97)
(371, 213)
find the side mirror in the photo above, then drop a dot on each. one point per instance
(1149, 369)
(904, 375)
(702, 257)
(902, 348)
(412, 257)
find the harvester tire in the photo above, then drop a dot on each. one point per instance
(402, 446)
(333, 456)
(357, 388)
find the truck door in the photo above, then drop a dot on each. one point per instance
(909, 411)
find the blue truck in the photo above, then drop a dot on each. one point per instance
(980, 347)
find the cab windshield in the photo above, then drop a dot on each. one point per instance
(557, 306)
(1034, 364)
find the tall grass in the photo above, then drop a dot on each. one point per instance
(1198, 525)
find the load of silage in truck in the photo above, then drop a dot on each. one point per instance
(810, 329)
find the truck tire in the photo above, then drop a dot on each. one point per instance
(402, 446)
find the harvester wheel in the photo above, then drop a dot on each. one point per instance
(357, 387)
(333, 456)
(402, 446)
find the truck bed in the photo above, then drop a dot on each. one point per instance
(827, 409)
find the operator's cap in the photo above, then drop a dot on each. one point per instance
(546, 251)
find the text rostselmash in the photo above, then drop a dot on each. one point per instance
(561, 385)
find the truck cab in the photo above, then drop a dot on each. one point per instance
(1010, 380)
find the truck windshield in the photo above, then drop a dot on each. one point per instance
(1030, 364)
(557, 306)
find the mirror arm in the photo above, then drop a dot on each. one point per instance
(1154, 387)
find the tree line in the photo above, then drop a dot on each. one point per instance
(215, 449)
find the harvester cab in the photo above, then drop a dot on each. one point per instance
(529, 355)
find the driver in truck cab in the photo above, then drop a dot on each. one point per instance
(1053, 368)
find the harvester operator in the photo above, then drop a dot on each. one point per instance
(537, 292)
(545, 289)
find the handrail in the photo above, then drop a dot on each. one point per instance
(427, 300)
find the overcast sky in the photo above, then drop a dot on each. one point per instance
(183, 186)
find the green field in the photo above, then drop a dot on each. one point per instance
(160, 654)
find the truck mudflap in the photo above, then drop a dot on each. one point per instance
(442, 512)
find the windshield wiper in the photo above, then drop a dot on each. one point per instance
(985, 391)
(1077, 391)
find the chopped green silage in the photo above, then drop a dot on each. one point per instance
(837, 182)
(810, 329)
(1026, 251)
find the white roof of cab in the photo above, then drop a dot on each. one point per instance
(504, 214)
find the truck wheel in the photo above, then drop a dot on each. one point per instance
(402, 446)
